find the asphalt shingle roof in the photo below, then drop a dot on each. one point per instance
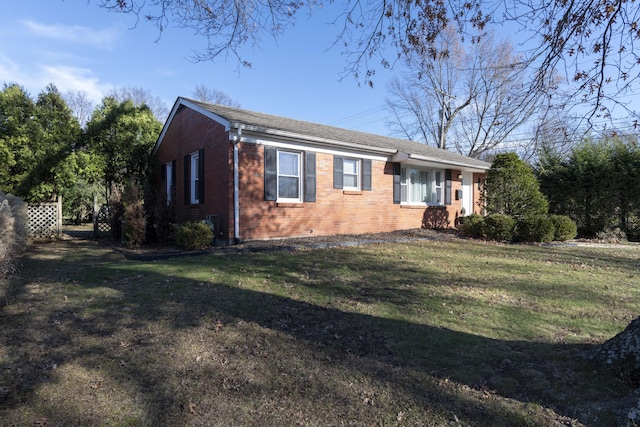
(270, 122)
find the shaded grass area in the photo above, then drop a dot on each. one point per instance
(425, 333)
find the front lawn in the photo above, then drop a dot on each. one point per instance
(437, 333)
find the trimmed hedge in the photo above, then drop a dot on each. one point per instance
(194, 235)
(499, 227)
(473, 226)
(535, 228)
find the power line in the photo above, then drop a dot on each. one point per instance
(356, 116)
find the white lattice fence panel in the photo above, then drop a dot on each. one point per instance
(45, 220)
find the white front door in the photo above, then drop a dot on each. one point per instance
(467, 193)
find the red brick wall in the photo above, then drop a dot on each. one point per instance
(335, 211)
(190, 131)
(478, 181)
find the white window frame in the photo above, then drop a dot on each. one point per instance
(168, 178)
(437, 186)
(194, 178)
(298, 177)
(356, 175)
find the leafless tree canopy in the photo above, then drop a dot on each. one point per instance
(205, 94)
(140, 97)
(80, 105)
(474, 95)
(590, 42)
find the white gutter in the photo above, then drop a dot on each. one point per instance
(402, 157)
(323, 141)
(236, 189)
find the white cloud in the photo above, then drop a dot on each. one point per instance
(74, 34)
(75, 78)
(9, 70)
(35, 79)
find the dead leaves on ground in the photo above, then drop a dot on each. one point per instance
(41, 422)
(189, 407)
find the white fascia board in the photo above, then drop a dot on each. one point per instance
(180, 102)
(286, 135)
(303, 146)
(463, 166)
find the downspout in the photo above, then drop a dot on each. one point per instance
(236, 190)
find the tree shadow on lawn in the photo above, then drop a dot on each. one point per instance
(139, 334)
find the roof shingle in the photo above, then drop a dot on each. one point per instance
(268, 122)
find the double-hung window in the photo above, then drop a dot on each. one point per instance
(289, 176)
(350, 174)
(419, 186)
(194, 177)
(289, 182)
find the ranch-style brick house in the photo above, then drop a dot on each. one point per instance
(258, 176)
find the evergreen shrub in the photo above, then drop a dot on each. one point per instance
(473, 226)
(565, 228)
(499, 227)
(535, 228)
(194, 235)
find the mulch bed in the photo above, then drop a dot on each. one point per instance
(152, 252)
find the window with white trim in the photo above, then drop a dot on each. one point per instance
(195, 178)
(350, 174)
(289, 182)
(419, 185)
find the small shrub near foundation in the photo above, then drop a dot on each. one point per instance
(473, 226)
(194, 235)
(499, 227)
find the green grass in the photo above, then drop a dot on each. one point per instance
(425, 333)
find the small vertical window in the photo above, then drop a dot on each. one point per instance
(169, 174)
(289, 176)
(195, 178)
(403, 185)
(438, 188)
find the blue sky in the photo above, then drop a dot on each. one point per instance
(78, 46)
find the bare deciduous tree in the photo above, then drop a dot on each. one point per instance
(205, 94)
(141, 97)
(591, 42)
(80, 105)
(420, 100)
(476, 94)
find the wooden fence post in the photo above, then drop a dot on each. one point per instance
(59, 215)
(95, 215)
